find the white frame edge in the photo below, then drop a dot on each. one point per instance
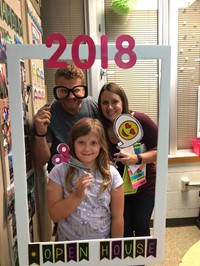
(17, 52)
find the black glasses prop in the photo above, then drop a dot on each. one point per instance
(62, 92)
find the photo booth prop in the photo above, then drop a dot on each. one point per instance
(125, 251)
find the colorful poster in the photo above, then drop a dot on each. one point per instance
(37, 65)
(10, 21)
(3, 80)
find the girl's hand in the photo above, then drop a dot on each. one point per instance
(82, 183)
(125, 158)
(42, 120)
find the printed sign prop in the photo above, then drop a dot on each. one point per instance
(127, 251)
(128, 130)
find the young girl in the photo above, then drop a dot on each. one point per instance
(86, 205)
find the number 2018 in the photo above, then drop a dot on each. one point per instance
(121, 50)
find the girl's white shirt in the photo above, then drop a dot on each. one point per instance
(92, 218)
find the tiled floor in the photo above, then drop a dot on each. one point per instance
(178, 240)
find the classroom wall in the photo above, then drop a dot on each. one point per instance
(182, 204)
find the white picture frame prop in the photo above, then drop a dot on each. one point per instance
(126, 251)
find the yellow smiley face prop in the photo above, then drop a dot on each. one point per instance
(128, 130)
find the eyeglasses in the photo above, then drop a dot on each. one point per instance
(62, 92)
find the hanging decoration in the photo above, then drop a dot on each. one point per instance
(123, 6)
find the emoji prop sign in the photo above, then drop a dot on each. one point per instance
(128, 130)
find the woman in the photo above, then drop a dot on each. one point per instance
(138, 205)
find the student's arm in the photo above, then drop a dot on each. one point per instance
(60, 208)
(40, 149)
(117, 212)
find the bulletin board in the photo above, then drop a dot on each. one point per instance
(125, 251)
(10, 32)
(37, 67)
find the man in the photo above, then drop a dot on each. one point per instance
(53, 123)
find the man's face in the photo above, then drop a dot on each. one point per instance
(71, 104)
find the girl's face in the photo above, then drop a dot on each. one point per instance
(87, 149)
(111, 105)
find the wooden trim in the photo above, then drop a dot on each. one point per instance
(185, 159)
(176, 222)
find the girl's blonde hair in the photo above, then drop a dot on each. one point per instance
(81, 128)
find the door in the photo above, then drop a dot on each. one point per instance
(95, 27)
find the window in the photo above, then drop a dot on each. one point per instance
(66, 18)
(188, 72)
(140, 82)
